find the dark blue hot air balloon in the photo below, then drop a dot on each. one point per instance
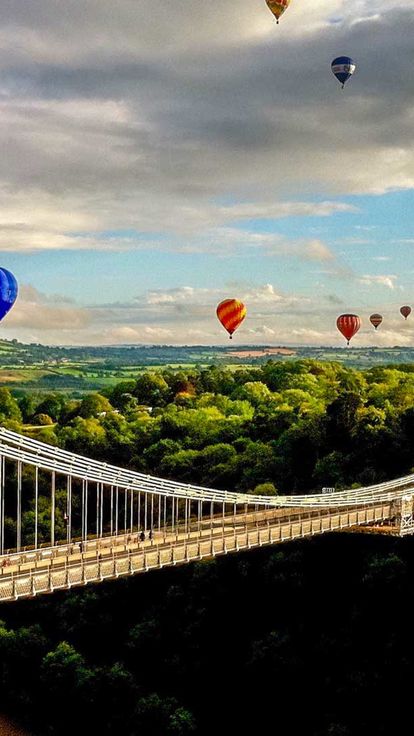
(343, 67)
(8, 291)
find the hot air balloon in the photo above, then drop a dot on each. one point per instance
(343, 67)
(8, 291)
(375, 320)
(405, 311)
(277, 7)
(348, 325)
(231, 313)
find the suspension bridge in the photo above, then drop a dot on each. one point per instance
(103, 522)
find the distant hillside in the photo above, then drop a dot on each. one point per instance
(80, 369)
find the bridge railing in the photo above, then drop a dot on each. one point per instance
(110, 563)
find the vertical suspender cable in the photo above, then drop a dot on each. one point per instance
(101, 527)
(139, 512)
(36, 529)
(97, 510)
(19, 506)
(86, 508)
(165, 516)
(152, 513)
(1, 507)
(125, 509)
(112, 510)
(69, 509)
(83, 510)
(3, 494)
(53, 510)
(116, 510)
(132, 510)
(176, 519)
(145, 512)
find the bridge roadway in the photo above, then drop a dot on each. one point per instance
(32, 572)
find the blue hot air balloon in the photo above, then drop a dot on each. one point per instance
(343, 67)
(8, 291)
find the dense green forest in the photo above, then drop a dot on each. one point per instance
(309, 638)
(297, 425)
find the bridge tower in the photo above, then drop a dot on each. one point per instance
(405, 515)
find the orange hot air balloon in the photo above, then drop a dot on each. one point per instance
(375, 320)
(348, 325)
(277, 7)
(405, 311)
(231, 314)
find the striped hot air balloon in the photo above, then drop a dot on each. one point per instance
(348, 325)
(405, 311)
(231, 313)
(375, 320)
(277, 7)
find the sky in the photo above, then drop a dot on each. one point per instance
(158, 157)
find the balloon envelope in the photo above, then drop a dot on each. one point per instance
(375, 320)
(405, 311)
(231, 313)
(8, 291)
(277, 7)
(343, 67)
(348, 325)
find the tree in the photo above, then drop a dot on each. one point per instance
(155, 716)
(42, 420)
(9, 408)
(341, 415)
(151, 389)
(181, 465)
(117, 393)
(265, 489)
(155, 453)
(256, 392)
(62, 672)
(21, 652)
(27, 405)
(84, 436)
(94, 405)
(52, 405)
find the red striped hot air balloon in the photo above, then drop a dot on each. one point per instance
(405, 311)
(231, 313)
(375, 320)
(348, 325)
(277, 7)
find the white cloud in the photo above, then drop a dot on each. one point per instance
(315, 250)
(35, 311)
(379, 280)
(146, 120)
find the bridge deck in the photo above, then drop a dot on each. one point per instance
(26, 574)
